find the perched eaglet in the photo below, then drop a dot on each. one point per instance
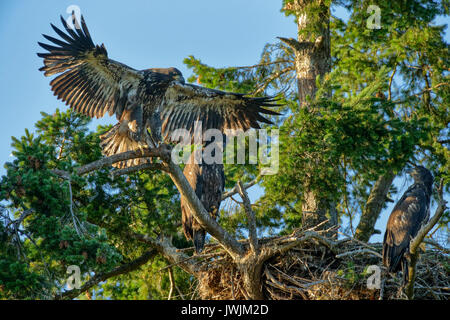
(208, 182)
(409, 214)
(155, 99)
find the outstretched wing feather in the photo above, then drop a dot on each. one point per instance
(186, 103)
(88, 81)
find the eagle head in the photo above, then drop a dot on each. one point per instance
(176, 74)
(421, 175)
(173, 73)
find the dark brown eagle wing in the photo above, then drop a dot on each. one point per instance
(92, 84)
(88, 81)
(406, 218)
(184, 104)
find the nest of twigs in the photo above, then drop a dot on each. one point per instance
(324, 268)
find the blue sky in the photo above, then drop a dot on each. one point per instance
(141, 34)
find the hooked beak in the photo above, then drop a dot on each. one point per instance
(410, 170)
(179, 78)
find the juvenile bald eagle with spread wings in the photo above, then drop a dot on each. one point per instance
(409, 214)
(155, 99)
(208, 182)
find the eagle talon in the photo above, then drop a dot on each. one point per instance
(165, 151)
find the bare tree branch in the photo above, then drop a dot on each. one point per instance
(233, 191)
(444, 141)
(251, 218)
(436, 245)
(230, 244)
(391, 78)
(108, 161)
(172, 283)
(164, 246)
(72, 214)
(359, 251)
(264, 64)
(144, 166)
(131, 266)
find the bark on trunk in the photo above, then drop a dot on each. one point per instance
(374, 205)
(312, 59)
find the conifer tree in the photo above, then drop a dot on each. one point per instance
(362, 98)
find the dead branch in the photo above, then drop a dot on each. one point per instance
(164, 246)
(131, 266)
(230, 244)
(436, 245)
(172, 281)
(306, 236)
(360, 251)
(72, 214)
(108, 161)
(251, 218)
(144, 166)
(233, 191)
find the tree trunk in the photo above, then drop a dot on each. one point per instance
(374, 205)
(312, 59)
(312, 54)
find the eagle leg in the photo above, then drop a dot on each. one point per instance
(155, 128)
(405, 270)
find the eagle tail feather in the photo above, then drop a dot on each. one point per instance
(405, 270)
(392, 254)
(199, 239)
(117, 140)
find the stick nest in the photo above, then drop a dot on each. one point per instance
(321, 267)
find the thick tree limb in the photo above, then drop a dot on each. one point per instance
(108, 161)
(131, 266)
(373, 207)
(230, 244)
(251, 218)
(164, 246)
(297, 45)
(415, 243)
(144, 166)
